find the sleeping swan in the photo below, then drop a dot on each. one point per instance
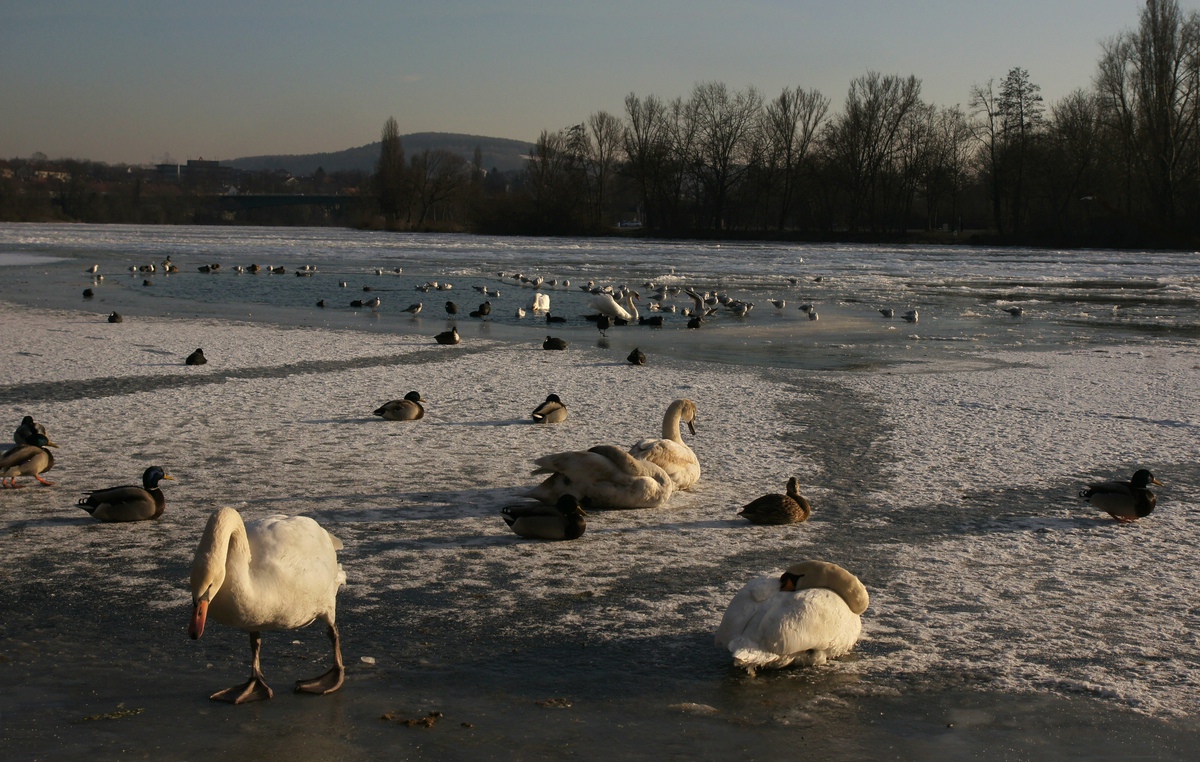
(607, 475)
(806, 616)
(670, 453)
(277, 573)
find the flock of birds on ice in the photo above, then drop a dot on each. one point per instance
(282, 573)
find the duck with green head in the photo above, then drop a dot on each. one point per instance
(129, 503)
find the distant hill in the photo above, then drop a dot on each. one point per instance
(500, 153)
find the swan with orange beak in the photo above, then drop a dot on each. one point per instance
(277, 573)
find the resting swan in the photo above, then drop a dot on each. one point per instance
(806, 616)
(670, 453)
(277, 573)
(606, 475)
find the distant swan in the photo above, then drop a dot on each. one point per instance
(806, 616)
(607, 475)
(278, 573)
(670, 453)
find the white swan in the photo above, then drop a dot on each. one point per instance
(278, 573)
(670, 453)
(540, 303)
(607, 475)
(605, 304)
(806, 616)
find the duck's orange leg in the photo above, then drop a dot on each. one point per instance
(43, 481)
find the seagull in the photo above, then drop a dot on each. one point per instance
(779, 303)
(910, 316)
(887, 312)
(1015, 311)
(413, 308)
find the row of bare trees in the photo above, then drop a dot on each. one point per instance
(435, 188)
(1120, 160)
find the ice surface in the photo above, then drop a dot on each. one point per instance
(950, 490)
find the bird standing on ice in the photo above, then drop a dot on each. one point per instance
(1124, 501)
(806, 616)
(277, 573)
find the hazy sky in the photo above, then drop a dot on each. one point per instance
(139, 80)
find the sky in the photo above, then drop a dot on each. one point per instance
(142, 81)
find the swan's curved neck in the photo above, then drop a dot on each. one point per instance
(671, 422)
(223, 558)
(632, 308)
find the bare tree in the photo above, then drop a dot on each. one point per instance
(790, 128)
(1148, 82)
(436, 177)
(862, 141)
(1072, 155)
(727, 142)
(602, 159)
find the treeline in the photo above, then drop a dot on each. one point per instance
(1116, 164)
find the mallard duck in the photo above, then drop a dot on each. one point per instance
(277, 573)
(565, 520)
(551, 411)
(27, 430)
(407, 409)
(448, 337)
(636, 357)
(791, 508)
(196, 358)
(806, 616)
(32, 459)
(553, 343)
(670, 453)
(129, 503)
(1124, 501)
(606, 475)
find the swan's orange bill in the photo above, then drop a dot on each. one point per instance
(199, 612)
